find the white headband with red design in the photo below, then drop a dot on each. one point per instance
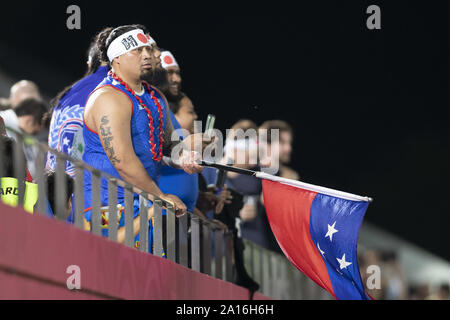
(168, 60)
(128, 41)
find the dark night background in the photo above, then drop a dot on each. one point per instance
(369, 108)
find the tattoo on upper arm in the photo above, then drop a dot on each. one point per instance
(107, 136)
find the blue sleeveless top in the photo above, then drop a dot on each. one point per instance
(95, 155)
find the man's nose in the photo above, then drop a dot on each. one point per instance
(176, 77)
(157, 52)
(146, 53)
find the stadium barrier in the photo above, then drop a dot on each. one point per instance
(277, 277)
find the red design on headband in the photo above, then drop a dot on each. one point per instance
(142, 38)
(168, 60)
(148, 37)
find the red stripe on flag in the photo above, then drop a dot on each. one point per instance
(288, 210)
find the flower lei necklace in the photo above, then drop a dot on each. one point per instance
(150, 118)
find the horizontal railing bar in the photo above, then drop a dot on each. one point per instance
(101, 174)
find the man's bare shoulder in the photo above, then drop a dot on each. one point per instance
(109, 98)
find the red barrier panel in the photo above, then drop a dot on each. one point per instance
(36, 251)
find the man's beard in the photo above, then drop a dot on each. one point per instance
(157, 78)
(147, 75)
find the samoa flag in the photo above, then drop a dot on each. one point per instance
(317, 229)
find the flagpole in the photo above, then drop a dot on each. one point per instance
(228, 168)
(295, 183)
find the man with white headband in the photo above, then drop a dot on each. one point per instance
(127, 129)
(172, 68)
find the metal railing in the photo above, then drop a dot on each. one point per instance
(176, 247)
(277, 277)
(275, 274)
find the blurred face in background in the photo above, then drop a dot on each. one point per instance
(28, 125)
(186, 114)
(242, 152)
(285, 147)
(174, 78)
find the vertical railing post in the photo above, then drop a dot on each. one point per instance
(79, 196)
(19, 168)
(129, 215)
(256, 264)
(41, 205)
(157, 228)
(96, 217)
(269, 273)
(2, 153)
(183, 240)
(229, 256)
(112, 210)
(143, 222)
(262, 269)
(218, 253)
(206, 254)
(195, 243)
(60, 196)
(170, 233)
(252, 260)
(276, 280)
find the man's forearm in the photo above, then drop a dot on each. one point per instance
(134, 172)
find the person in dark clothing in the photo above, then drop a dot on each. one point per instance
(228, 216)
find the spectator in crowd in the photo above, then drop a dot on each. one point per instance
(127, 126)
(240, 200)
(396, 286)
(22, 90)
(8, 181)
(26, 118)
(284, 146)
(253, 223)
(245, 148)
(372, 258)
(176, 181)
(65, 133)
(172, 88)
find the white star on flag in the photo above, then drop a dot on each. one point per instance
(342, 263)
(331, 231)
(320, 250)
(65, 141)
